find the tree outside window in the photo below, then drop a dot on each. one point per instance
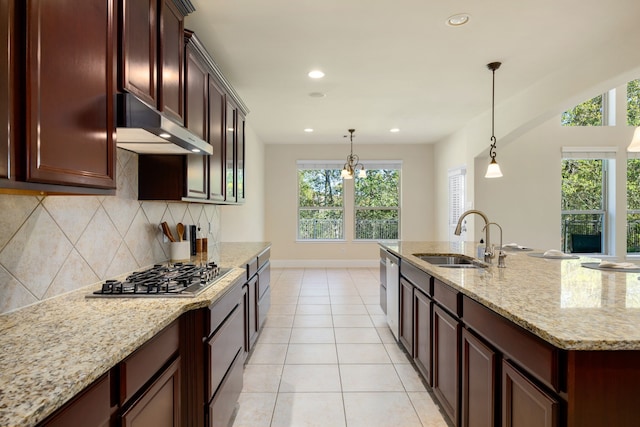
(633, 103)
(583, 205)
(377, 205)
(588, 113)
(320, 204)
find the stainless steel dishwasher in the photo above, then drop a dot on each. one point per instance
(393, 294)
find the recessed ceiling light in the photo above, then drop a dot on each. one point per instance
(316, 74)
(308, 130)
(317, 95)
(394, 130)
(458, 19)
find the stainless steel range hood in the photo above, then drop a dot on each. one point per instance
(144, 130)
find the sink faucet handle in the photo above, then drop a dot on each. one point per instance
(501, 257)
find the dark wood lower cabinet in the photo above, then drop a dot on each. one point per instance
(422, 311)
(523, 403)
(446, 356)
(159, 405)
(90, 408)
(479, 380)
(406, 315)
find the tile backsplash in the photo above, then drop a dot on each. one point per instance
(50, 245)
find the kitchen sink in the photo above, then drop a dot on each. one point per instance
(451, 261)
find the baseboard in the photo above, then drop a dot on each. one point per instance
(324, 263)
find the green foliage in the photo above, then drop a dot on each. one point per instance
(582, 184)
(379, 189)
(633, 103)
(633, 184)
(588, 113)
(320, 188)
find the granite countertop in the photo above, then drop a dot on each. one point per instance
(52, 350)
(567, 305)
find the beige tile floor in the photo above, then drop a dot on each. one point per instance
(326, 358)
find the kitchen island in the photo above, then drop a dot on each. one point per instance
(52, 350)
(570, 333)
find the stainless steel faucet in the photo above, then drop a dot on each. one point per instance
(501, 253)
(488, 253)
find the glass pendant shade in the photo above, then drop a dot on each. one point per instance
(362, 173)
(635, 141)
(493, 170)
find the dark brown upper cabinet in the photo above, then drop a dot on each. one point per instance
(217, 107)
(152, 59)
(57, 96)
(170, 74)
(231, 116)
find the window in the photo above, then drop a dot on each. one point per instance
(588, 113)
(320, 201)
(584, 199)
(457, 181)
(633, 203)
(377, 203)
(633, 103)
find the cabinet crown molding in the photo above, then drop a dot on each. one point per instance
(199, 48)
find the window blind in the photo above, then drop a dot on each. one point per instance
(589, 152)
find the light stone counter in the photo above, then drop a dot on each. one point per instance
(567, 305)
(52, 350)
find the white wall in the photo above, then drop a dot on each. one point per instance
(281, 208)
(245, 223)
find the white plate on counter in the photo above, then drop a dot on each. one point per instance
(542, 255)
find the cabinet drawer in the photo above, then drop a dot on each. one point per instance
(223, 347)
(145, 362)
(538, 357)
(263, 257)
(252, 268)
(447, 297)
(419, 278)
(91, 407)
(219, 310)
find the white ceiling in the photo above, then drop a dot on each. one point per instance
(393, 63)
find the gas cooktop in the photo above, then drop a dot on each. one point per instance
(165, 281)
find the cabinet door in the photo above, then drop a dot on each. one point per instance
(159, 405)
(196, 84)
(171, 96)
(217, 107)
(9, 64)
(197, 176)
(446, 357)
(406, 315)
(422, 309)
(139, 49)
(91, 408)
(240, 153)
(70, 87)
(523, 403)
(479, 378)
(230, 152)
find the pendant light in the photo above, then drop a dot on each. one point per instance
(353, 163)
(635, 141)
(493, 170)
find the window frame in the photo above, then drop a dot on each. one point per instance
(607, 155)
(319, 165)
(378, 165)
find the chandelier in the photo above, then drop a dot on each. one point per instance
(353, 164)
